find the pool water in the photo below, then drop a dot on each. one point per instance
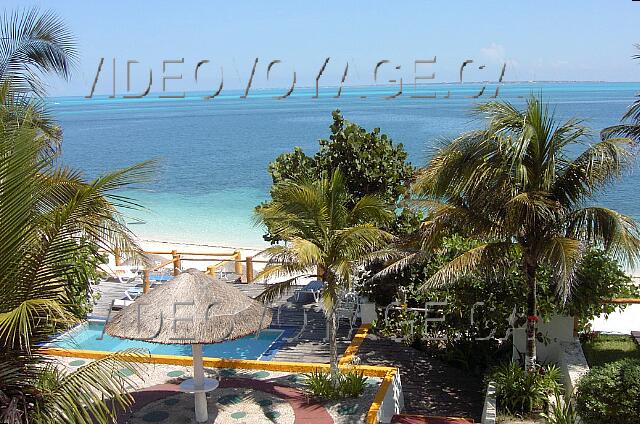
(89, 336)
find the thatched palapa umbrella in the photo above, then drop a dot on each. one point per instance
(193, 309)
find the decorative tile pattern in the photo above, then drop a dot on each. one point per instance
(347, 409)
(171, 401)
(125, 372)
(265, 402)
(227, 372)
(230, 400)
(237, 415)
(260, 374)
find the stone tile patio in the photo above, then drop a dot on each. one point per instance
(430, 386)
(253, 396)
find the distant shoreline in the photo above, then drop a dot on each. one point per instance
(240, 90)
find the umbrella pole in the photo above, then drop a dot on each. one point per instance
(198, 377)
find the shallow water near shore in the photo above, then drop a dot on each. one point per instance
(214, 154)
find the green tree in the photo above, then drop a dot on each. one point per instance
(597, 279)
(514, 182)
(369, 162)
(322, 230)
(48, 214)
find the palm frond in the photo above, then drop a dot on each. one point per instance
(398, 261)
(355, 242)
(597, 166)
(371, 209)
(93, 392)
(563, 254)
(530, 209)
(630, 130)
(276, 290)
(31, 44)
(23, 325)
(483, 259)
(615, 232)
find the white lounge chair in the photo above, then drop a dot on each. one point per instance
(120, 303)
(124, 274)
(132, 293)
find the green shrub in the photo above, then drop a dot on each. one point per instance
(319, 385)
(83, 269)
(352, 384)
(561, 411)
(611, 393)
(521, 392)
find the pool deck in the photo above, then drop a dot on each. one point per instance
(309, 347)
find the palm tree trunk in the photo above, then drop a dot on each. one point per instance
(529, 266)
(333, 345)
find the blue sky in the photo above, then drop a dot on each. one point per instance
(539, 40)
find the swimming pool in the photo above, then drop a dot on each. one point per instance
(87, 337)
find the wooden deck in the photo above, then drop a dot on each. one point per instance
(309, 347)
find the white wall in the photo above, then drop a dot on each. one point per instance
(393, 402)
(559, 329)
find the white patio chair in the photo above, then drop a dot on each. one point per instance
(347, 309)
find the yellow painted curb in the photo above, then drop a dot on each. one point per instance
(356, 342)
(372, 414)
(368, 370)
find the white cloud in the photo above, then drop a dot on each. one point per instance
(496, 53)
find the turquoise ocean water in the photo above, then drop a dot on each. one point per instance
(214, 154)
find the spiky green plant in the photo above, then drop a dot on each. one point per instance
(517, 182)
(47, 215)
(321, 232)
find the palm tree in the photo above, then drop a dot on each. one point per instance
(515, 184)
(631, 128)
(321, 231)
(47, 215)
(31, 45)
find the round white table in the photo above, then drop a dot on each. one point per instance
(189, 386)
